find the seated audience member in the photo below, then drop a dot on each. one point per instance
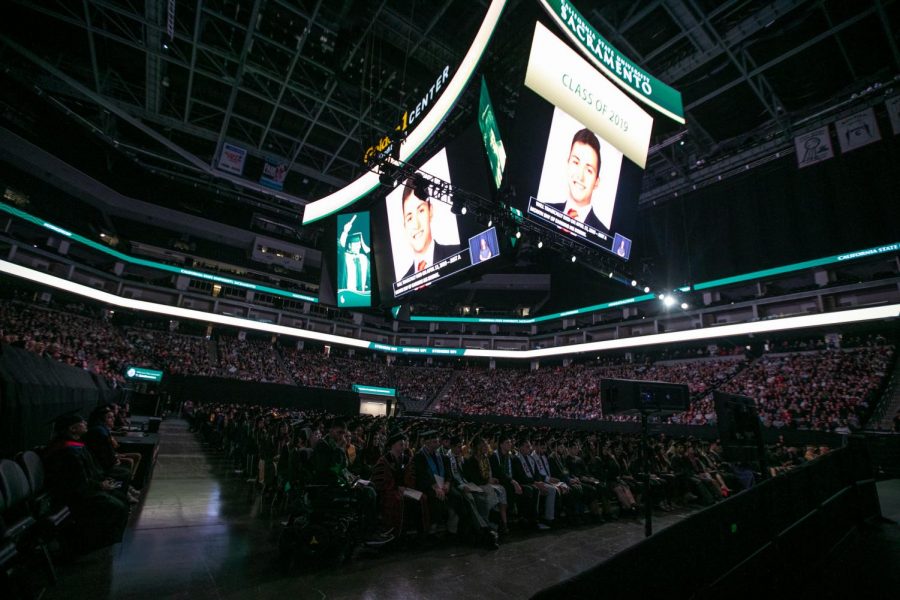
(431, 478)
(477, 469)
(525, 471)
(467, 500)
(581, 496)
(387, 477)
(102, 445)
(99, 506)
(611, 473)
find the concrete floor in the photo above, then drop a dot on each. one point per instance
(198, 534)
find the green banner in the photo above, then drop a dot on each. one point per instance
(354, 265)
(490, 134)
(618, 67)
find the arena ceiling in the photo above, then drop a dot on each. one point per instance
(315, 82)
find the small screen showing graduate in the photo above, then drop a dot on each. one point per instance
(484, 246)
(354, 263)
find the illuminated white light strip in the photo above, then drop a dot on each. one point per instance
(172, 311)
(368, 181)
(838, 318)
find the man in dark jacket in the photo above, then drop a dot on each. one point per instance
(99, 506)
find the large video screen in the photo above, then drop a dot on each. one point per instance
(578, 159)
(428, 241)
(354, 266)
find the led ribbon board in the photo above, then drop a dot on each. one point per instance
(368, 181)
(890, 311)
(373, 390)
(152, 264)
(618, 67)
(818, 262)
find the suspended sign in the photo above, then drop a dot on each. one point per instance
(618, 67)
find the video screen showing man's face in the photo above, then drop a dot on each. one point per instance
(584, 167)
(416, 221)
(423, 230)
(580, 171)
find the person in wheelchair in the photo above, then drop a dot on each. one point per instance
(331, 472)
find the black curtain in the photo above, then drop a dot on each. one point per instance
(33, 391)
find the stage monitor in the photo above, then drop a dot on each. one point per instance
(425, 231)
(623, 395)
(580, 148)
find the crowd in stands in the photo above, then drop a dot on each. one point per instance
(87, 343)
(250, 360)
(171, 352)
(571, 392)
(798, 383)
(93, 343)
(331, 371)
(824, 390)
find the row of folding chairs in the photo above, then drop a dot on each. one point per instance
(29, 524)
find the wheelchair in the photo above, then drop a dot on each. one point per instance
(324, 527)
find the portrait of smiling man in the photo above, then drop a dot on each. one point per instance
(582, 178)
(417, 227)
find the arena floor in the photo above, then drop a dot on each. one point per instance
(199, 534)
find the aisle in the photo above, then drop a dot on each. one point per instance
(192, 532)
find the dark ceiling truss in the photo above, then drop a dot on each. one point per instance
(313, 82)
(242, 63)
(332, 115)
(658, 156)
(380, 94)
(783, 57)
(676, 162)
(329, 93)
